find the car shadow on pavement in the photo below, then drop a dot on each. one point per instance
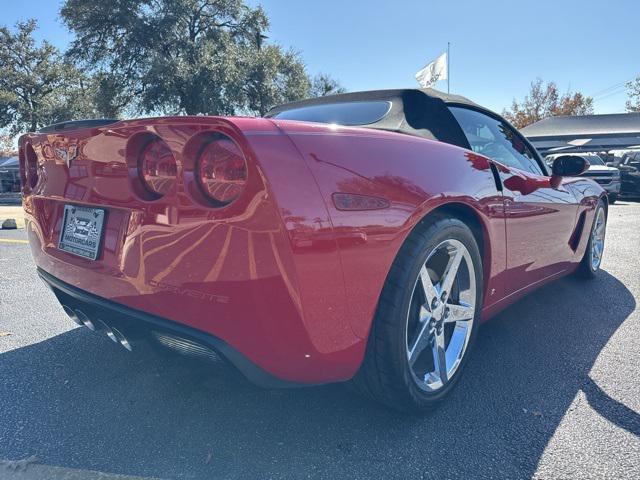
(614, 411)
(82, 402)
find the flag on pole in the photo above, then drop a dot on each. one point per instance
(436, 70)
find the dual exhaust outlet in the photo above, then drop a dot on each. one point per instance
(96, 325)
(184, 346)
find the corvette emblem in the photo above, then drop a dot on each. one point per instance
(67, 153)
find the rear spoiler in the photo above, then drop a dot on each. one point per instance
(76, 124)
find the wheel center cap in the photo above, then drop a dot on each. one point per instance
(439, 313)
(438, 307)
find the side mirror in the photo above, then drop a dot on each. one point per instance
(569, 166)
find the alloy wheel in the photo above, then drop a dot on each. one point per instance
(597, 239)
(441, 315)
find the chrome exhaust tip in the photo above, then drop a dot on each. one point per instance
(100, 325)
(72, 315)
(111, 335)
(114, 334)
(81, 318)
(86, 321)
(118, 337)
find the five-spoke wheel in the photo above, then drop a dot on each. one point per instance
(597, 241)
(441, 314)
(427, 317)
(592, 259)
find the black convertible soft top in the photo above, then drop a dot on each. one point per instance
(414, 111)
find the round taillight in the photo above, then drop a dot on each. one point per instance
(157, 167)
(222, 170)
(31, 166)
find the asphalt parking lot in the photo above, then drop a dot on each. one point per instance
(552, 391)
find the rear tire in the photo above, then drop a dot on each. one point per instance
(395, 371)
(613, 198)
(592, 259)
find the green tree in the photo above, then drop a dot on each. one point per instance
(7, 148)
(323, 85)
(271, 77)
(182, 56)
(633, 104)
(544, 101)
(37, 87)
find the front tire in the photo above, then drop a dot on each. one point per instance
(427, 318)
(590, 264)
(613, 198)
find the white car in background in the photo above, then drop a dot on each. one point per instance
(607, 177)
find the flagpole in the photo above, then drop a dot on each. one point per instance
(448, 63)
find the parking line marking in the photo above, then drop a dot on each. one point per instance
(11, 240)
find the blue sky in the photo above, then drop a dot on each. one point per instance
(497, 47)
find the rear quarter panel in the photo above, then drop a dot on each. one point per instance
(417, 176)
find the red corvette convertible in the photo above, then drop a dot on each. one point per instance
(362, 236)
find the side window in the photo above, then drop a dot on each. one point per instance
(494, 139)
(634, 161)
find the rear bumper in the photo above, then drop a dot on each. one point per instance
(138, 324)
(233, 281)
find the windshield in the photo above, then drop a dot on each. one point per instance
(595, 160)
(347, 113)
